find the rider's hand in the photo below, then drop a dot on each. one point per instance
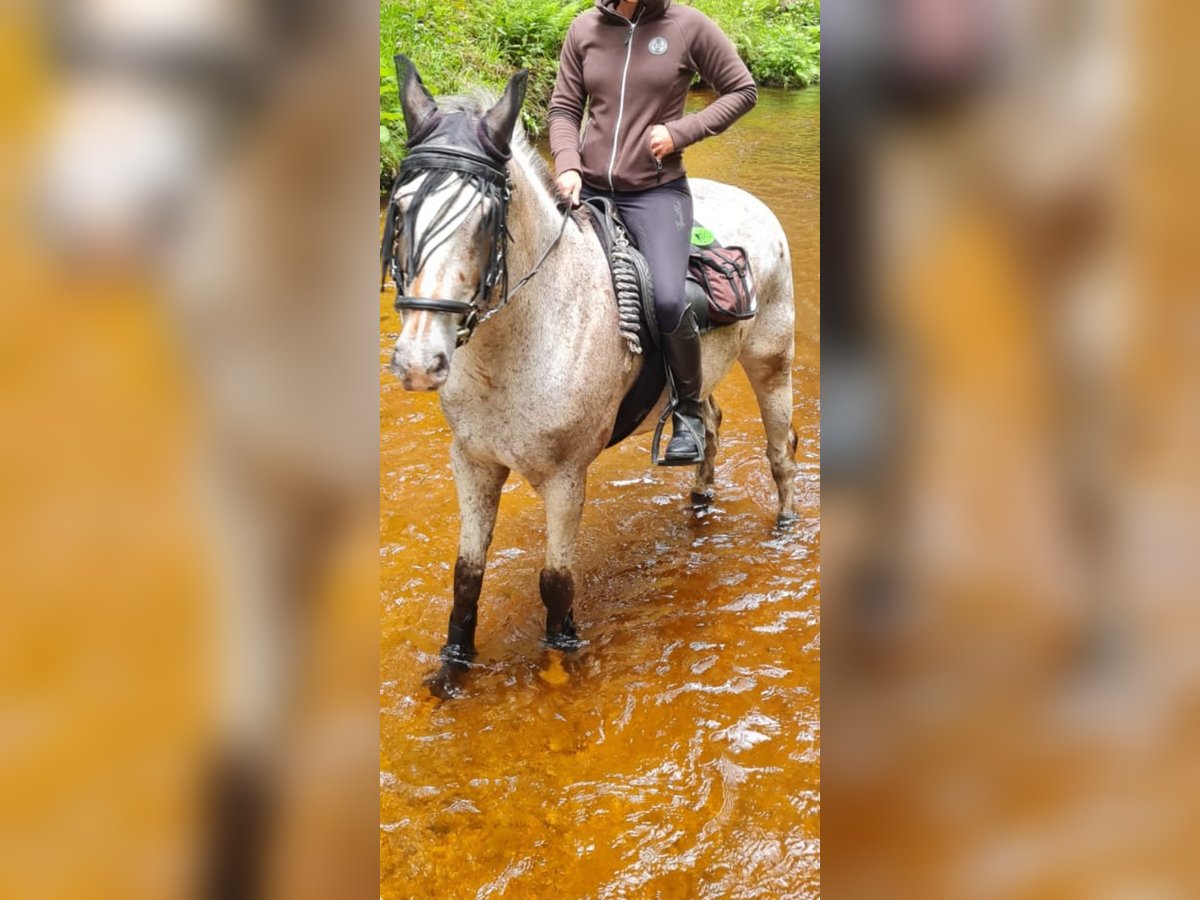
(569, 185)
(660, 141)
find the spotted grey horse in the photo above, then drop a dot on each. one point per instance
(509, 312)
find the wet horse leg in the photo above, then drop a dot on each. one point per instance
(771, 379)
(478, 484)
(563, 494)
(702, 494)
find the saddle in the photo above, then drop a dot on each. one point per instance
(719, 290)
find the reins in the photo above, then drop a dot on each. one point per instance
(492, 183)
(521, 282)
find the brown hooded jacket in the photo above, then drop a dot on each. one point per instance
(633, 75)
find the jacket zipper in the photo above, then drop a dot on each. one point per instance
(612, 160)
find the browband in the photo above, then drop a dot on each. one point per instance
(423, 158)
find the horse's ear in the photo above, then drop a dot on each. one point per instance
(415, 100)
(501, 119)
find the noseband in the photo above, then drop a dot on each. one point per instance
(491, 182)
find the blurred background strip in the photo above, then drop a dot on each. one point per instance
(188, 488)
(1009, 450)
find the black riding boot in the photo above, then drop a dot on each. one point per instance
(682, 350)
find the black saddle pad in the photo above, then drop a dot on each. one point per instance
(641, 399)
(651, 380)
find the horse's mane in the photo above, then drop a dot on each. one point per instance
(479, 100)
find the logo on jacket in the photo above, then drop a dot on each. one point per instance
(658, 46)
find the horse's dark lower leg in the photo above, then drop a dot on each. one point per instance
(460, 637)
(558, 596)
(239, 806)
(478, 484)
(563, 494)
(459, 648)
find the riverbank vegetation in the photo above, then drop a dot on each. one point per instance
(459, 43)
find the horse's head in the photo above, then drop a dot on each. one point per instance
(445, 236)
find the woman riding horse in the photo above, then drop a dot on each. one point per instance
(631, 63)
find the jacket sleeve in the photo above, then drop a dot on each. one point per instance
(566, 107)
(719, 65)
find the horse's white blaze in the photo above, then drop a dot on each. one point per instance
(415, 324)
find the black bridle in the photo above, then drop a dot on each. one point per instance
(491, 182)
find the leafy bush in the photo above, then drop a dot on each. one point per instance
(780, 40)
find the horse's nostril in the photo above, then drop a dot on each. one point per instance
(440, 365)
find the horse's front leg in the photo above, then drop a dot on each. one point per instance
(478, 485)
(563, 494)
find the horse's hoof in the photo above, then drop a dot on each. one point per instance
(786, 521)
(567, 642)
(446, 682)
(701, 499)
(458, 654)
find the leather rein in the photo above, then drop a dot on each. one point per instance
(491, 182)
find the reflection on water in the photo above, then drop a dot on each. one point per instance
(677, 754)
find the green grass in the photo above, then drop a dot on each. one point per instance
(460, 43)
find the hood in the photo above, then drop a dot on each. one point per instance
(652, 9)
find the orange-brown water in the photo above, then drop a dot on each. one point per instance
(678, 754)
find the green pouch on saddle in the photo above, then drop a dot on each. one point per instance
(724, 275)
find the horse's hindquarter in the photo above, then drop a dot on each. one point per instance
(738, 218)
(538, 387)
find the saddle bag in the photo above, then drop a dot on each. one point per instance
(724, 274)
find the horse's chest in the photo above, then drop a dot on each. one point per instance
(482, 418)
(527, 431)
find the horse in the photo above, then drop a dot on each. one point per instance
(532, 386)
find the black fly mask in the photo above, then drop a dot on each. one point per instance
(473, 177)
(464, 159)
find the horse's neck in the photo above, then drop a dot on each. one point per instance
(558, 337)
(533, 219)
(541, 308)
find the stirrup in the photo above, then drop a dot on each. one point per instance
(656, 444)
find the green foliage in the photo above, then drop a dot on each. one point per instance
(531, 29)
(443, 38)
(528, 35)
(780, 40)
(458, 44)
(461, 43)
